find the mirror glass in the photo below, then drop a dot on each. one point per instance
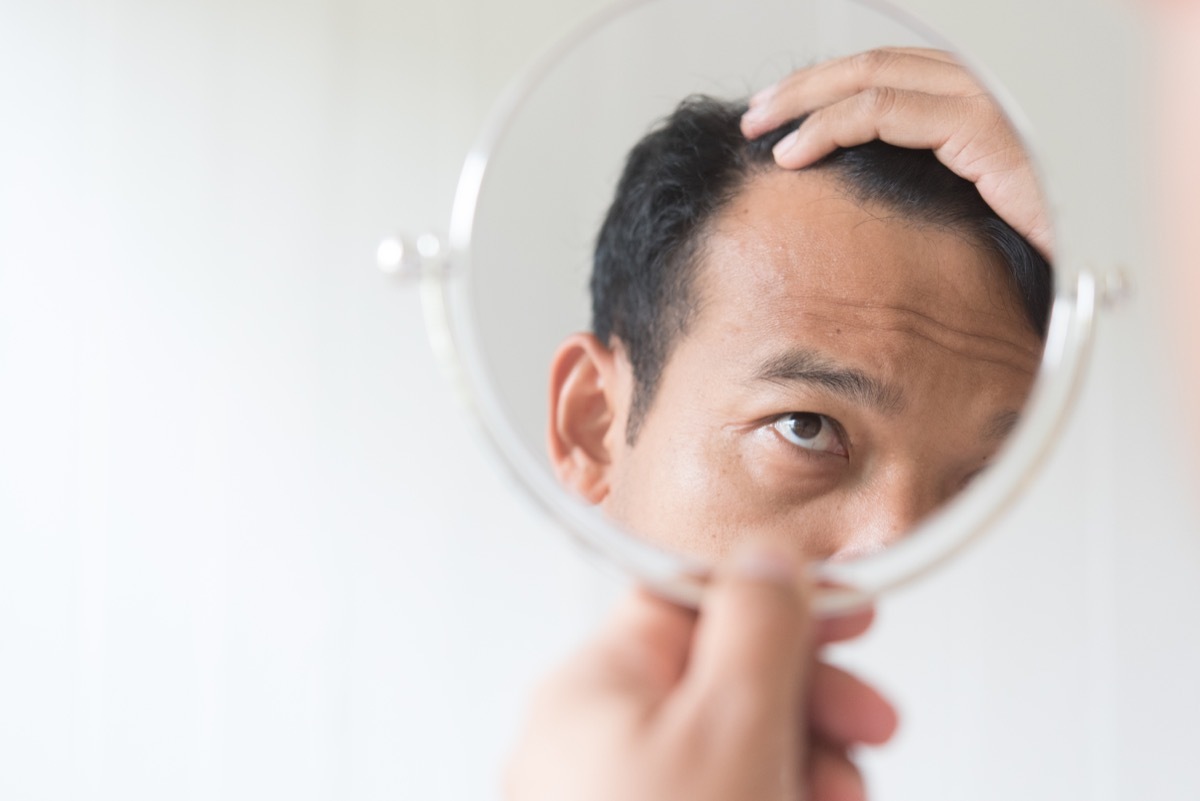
(824, 357)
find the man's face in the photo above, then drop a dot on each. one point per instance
(847, 372)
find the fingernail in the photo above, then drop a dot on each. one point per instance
(762, 562)
(754, 114)
(786, 143)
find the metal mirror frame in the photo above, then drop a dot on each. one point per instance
(445, 278)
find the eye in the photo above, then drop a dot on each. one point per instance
(811, 431)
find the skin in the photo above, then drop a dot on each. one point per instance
(909, 97)
(901, 346)
(728, 704)
(644, 711)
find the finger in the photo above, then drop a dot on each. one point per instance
(845, 710)
(832, 776)
(943, 56)
(969, 135)
(900, 62)
(644, 646)
(906, 119)
(752, 643)
(806, 90)
(927, 52)
(843, 627)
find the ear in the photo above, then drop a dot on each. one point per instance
(585, 408)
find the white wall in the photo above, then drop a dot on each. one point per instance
(247, 545)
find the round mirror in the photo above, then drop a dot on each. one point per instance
(676, 341)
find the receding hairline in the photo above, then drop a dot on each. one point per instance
(699, 251)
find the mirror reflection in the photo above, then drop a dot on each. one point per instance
(818, 356)
(811, 316)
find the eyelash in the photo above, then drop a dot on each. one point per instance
(973, 475)
(814, 453)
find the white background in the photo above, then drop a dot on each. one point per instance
(248, 547)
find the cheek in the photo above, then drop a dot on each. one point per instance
(680, 492)
(703, 496)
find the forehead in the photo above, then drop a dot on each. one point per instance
(793, 256)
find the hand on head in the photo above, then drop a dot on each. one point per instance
(914, 98)
(728, 703)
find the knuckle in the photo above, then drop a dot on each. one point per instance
(982, 104)
(880, 100)
(815, 122)
(871, 63)
(984, 108)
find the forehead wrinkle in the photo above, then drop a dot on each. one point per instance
(884, 213)
(1008, 312)
(800, 365)
(996, 350)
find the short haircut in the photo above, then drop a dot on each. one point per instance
(683, 173)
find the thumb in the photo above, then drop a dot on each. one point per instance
(752, 649)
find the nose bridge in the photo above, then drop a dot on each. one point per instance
(889, 508)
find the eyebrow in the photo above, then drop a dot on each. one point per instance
(809, 367)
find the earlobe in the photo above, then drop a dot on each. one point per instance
(583, 410)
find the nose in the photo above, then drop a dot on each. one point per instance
(886, 512)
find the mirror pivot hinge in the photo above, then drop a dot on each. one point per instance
(408, 258)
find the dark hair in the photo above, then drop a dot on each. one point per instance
(681, 174)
